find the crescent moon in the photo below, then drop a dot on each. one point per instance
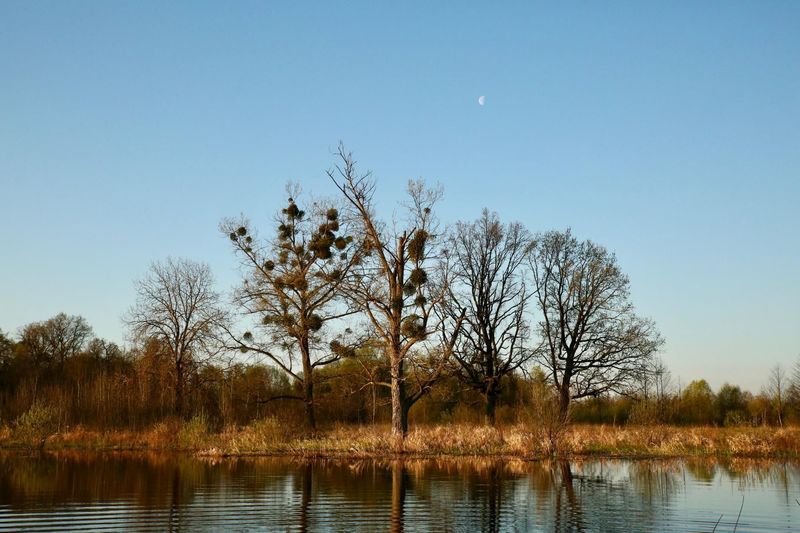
(481, 100)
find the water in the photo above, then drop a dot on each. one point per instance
(161, 492)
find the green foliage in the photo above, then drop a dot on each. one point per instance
(35, 425)
(730, 405)
(697, 403)
(194, 433)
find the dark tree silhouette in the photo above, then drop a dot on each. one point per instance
(592, 341)
(292, 288)
(176, 305)
(399, 282)
(55, 339)
(488, 260)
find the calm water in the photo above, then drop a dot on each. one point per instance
(177, 493)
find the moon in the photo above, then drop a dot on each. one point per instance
(481, 100)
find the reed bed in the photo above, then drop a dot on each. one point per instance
(272, 437)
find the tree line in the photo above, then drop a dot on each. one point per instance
(348, 313)
(104, 385)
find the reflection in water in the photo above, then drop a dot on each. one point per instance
(399, 487)
(305, 502)
(180, 493)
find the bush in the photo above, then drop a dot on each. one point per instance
(544, 418)
(264, 434)
(735, 418)
(194, 433)
(33, 427)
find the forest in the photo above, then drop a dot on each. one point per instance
(346, 318)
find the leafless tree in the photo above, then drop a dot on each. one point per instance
(662, 382)
(56, 339)
(400, 279)
(488, 281)
(6, 348)
(176, 304)
(777, 388)
(793, 391)
(592, 341)
(292, 287)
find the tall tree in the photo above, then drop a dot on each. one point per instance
(292, 288)
(176, 305)
(55, 339)
(6, 354)
(398, 283)
(489, 260)
(793, 390)
(730, 405)
(697, 403)
(6, 347)
(777, 388)
(592, 341)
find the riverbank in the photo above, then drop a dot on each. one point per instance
(271, 437)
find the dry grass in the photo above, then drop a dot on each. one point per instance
(271, 437)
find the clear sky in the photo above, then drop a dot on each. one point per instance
(668, 133)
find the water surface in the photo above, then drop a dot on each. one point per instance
(162, 492)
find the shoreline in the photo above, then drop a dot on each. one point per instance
(517, 442)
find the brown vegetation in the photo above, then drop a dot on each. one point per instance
(270, 437)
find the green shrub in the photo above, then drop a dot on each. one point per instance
(34, 426)
(194, 433)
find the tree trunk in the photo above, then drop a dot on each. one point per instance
(308, 385)
(563, 404)
(491, 406)
(179, 388)
(308, 400)
(404, 413)
(399, 411)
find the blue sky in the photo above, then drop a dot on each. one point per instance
(669, 133)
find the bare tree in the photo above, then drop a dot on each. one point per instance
(292, 287)
(592, 341)
(777, 388)
(176, 304)
(56, 339)
(488, 281)
(662, 381)
(793, 390)
(6, 347)
(399, 281)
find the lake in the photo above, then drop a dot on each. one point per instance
(166, 492)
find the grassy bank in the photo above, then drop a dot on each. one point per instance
(271, 437)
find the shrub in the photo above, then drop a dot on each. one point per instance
(34, 426)
(194, 433)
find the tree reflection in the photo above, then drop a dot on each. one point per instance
(305, 491)
(568, 507)
(180, 493)
(399, 487)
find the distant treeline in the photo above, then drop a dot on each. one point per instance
(96, 383)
